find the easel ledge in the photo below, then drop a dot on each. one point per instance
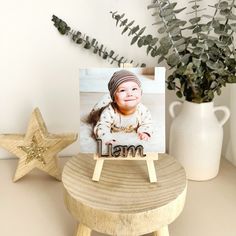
(149, 158)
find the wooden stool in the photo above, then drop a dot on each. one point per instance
(123, 202)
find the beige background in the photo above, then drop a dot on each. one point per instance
(40, 68)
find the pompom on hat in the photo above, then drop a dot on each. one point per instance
(120, 77)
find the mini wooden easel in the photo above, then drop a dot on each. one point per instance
(149, 158)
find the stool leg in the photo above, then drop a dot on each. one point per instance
(97, 170)
(162, 232)
(82, 230)
(151, 171)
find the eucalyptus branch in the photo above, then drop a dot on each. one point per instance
(142, 40)
(200, 65)
(232, 31)
(209, 29)
(162, 8)
(91, 44)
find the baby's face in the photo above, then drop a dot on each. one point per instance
(128, 95)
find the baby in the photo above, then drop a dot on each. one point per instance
(124, 113)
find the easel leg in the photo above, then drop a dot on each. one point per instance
(82, 230)
(162, 232)
(151, 171)
(97, 170)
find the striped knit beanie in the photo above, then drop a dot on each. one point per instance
(120, 77)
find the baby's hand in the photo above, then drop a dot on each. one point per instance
(143, 136)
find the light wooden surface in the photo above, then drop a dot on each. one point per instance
(124, 202)
(37, 148)
(35, 206)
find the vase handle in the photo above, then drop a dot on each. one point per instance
(226, 113)
(172, 106)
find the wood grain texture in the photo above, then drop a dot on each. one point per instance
(37, 148)
(82, 230)
(123, 202)
(164, 231)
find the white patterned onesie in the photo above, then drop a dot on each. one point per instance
(112, 121)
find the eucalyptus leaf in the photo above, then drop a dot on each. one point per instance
(165, 40)
(100, 50)
(153, 41)
(158, 23)
(204, 57)
(155, 5)
(128, 25)
(93, 42)
(95, 50)
(196, 62)
(233, 26)
(194, 20)
(111, 53)
(79, 41)
(135, 38)
(154, 52)
(140, 42)
(148, 39)
(141, 31)
(202, 36)
(197, 29)
(218, 91)
(197, 50)
(162, 30)
(114, 14)
(205, 28)
(232, 79)
(223, 5)
(185, 58)
(179, 42)
(179, 10)
(225, 12)
(125, 29)
(105, 55)
(124, 22)
(207, 16)
(171, 5)
(194, 7)
(173, 59)
(179, 94)
(134, 29)
(169, 17)
(175, 31)
(181, 48)
(231, 16)
(87, 45)
(161, 59)
(166, 12)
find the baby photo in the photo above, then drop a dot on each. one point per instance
(122, 106)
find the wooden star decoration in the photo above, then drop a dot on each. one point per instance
(37, 148)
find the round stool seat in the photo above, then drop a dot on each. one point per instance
(124, 202)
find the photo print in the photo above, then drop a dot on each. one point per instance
(122, 106)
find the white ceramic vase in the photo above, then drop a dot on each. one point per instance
(196, 138)
(231, 149)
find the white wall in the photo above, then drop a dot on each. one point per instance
(39, 67)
